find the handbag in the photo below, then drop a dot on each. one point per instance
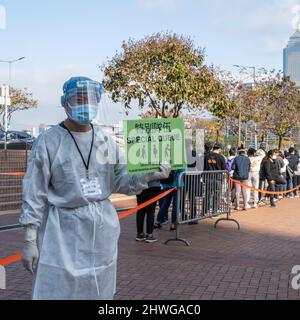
(289, 173)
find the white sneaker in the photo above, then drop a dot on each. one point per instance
(261, 204)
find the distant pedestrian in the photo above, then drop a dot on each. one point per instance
(229, 162)
(241, 169)
(162, 216)
(255, 163)
(232, 155)
(262, 150)
(148, 212)
(284, 169)
(281, 165)
(273, 175)
(289, 176)
(193, 182)
(293, 164)
(213, 161)
(262, 177)
(208, 147)
(297, 179)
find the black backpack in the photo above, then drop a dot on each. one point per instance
(289, 173)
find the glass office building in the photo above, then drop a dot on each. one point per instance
(291, 58)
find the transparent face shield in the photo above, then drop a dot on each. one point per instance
(82, 101)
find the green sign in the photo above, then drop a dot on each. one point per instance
(152, 142)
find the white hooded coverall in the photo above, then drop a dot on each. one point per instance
(77, 237)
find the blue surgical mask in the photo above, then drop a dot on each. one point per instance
(83, 114)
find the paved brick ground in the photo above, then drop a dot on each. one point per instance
(223, 263)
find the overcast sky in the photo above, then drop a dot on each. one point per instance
(63, 38)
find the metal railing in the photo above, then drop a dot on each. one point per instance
(12, 163)
(202, 195)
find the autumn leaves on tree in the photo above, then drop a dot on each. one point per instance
(166, 76)
(20, 100)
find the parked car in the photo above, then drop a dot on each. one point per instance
(16, 140)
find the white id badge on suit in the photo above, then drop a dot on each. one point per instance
(91, 187)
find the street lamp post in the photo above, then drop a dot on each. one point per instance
(10, 62)
(240, 112)
(240, 120)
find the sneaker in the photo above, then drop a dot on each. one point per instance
(273, 205)
(297, 196)
(150, 238)
(157, 225)
(164, 223)
(173, 227)
(140, 237)
(247, 208)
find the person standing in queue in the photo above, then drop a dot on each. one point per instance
(272, 173)
(241, 168)
(213, 161)
(147, 213)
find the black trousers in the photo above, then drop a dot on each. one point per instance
(148, 212)
(212, 196)
(194, 189)
(273, 187)
(296, 183)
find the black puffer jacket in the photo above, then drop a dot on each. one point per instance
(270, 170)
(262, 173)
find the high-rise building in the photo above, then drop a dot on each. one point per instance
(291, 58)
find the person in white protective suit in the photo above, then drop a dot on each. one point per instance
(71, 227)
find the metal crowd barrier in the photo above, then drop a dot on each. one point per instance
(12, 163)
(202, 195)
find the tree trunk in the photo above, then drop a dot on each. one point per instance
(239, 129)
(279, 142)
(218, 136)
